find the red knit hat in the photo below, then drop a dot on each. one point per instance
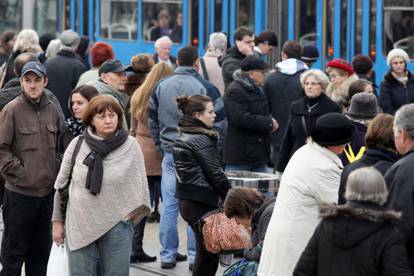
(341, 64)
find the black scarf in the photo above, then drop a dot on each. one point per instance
(75, 126)
(94, 160)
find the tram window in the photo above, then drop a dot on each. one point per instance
(358, 26)
(218, 17)
(373, 29)
(119, 19)
(66, 15)
(161, 19)
(329, 28)
(45, 18)
(398, 26)
(245, 14)
(10, 15)
(305, 12)
(343, 44)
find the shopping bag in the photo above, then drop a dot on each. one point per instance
(58, 264)
(242, 268)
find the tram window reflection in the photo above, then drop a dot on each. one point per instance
(399, 26)
(245, 14)
(160, 19)
(10, 15)
(119, 19)
(45, 19)
(305, 21)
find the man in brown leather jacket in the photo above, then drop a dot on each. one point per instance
(28, 136)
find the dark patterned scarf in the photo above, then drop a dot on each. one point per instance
(75, 126)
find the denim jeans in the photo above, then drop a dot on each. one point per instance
(169, 215)
(112, 250)
(248, 167)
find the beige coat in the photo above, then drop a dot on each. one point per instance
(339, 94)
(213, 69)
(311, 177)
(124, 192)
(152, 157)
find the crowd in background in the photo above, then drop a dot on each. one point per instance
(91, 146)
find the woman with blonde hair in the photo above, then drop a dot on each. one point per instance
(26, 41)
(303, 114)
(152, 158)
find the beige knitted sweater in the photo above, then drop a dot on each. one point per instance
(124, 191)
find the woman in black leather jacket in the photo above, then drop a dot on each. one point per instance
(201, 181)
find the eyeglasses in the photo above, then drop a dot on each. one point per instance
(311, 83)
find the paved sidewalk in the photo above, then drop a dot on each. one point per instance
(152, 247)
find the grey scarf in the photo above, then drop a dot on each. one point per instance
(94, 160)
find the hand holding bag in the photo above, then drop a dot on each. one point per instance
(223, 235)
(58, 261)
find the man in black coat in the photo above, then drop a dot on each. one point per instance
(399, 177)
(65, 69)
(247, 143)
(283, 88)
(243, 47)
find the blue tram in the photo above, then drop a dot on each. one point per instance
(339, 28)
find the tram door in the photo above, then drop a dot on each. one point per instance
(228, 15)
(77, 15)
(339, 28)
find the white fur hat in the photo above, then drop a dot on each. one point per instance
(397, 53)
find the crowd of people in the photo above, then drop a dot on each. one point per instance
(89, 147)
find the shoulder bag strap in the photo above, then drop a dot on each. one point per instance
(204, 68)
(72, 163)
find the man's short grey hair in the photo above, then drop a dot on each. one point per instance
(218, 41)
(367, 185)
(320, 77)
(163, 39)
(404, 119)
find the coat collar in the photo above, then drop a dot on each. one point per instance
(394, 82)
(326, 152)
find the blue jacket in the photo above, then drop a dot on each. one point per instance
(163, 112)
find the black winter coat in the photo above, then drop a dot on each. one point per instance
(393, 94)
(229, 63)
(260, 221)
(399, 179)
(200, 177)
(296, 134)
(249, 124)
(379, 158)
(358, 239)
(63, 72)
(281, 91)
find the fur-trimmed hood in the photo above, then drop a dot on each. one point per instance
(356, 221)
